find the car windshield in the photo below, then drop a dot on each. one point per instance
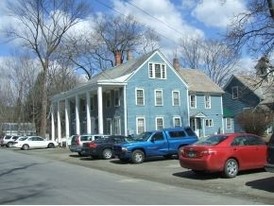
(211, 140)
(140, 137)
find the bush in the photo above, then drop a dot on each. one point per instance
(255, 121)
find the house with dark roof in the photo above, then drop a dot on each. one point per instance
(246, 92)
(142, 94)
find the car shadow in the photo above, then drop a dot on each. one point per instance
(266, 184)
(148, 160)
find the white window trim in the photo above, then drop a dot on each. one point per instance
(163, 120)
(179, 98)
(176, 117)
(233, 89)
(143, 118)
(155, 97)
(151, 71)
(209, 102)
(136, 99)
(117, 91)
(195, 101)
(209, 121)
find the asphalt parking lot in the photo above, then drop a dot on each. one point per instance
(256, 185)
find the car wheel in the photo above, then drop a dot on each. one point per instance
(107, 154)
(25, 147)
(51, 145)
(231, 168)
(9, 144)
(138, 156)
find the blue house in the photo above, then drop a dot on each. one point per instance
(141, 94)
(244, 93)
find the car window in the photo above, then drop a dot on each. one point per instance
(190, 132)
(158, 136)
(211, 140)
(175, 134)
(254, 140)
(85, 138)
(7, 137)
(239, 141)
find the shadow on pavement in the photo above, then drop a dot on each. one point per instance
(266, 184)
(198, 176)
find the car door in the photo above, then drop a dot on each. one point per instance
(40, 142)
(241, 151)
(157, 145)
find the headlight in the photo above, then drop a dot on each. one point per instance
(124, 149)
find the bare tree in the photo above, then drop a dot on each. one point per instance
(43, 25)
(213, 57)
(96, 51)
(253, 28)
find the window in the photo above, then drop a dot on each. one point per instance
(175, 98)
(207, 102)
(109, 126)
(177, 122)
(192, 101)
(235, 93)
(176, 134)
(108, 99)
(116, 98)
(140, 97)
(157, 71)
(158, 136)
(209, 122)
(117, 125)
(158, 98)
(140, 125)
(159, 123)
(228, 123)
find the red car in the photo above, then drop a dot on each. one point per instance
(227, 153)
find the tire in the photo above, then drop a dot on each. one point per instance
(9, 144)
(25, 147)
(231, 168)
(51, 145)
(138, 156)
(107, 154)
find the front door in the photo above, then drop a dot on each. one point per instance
(196, 125)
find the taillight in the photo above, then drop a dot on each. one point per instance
(92, 145)
(78, 140)
(208, 152)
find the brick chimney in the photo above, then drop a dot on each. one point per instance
(118, 58)
(176, 63)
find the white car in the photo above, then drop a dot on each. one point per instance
(30, 142)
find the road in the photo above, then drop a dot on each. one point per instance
(31, 179)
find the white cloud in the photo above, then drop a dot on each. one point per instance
(218, 13)
(164, 17)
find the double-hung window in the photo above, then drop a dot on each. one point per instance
(193, 101)
(176, 98)
(116, 98)
(235, 92)
(159, 98)
(157, 70)
(140, 127)
(159, 123)
(140, 97)
(177, 121)
(228, 123)
(209, 122)
(207, 102)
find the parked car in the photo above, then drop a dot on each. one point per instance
(102, 147)
(8, 140)
(226, 153)
(270, 155)
(165, 142)
(77, 141)
(30, 142)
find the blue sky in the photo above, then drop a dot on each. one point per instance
(171, 19)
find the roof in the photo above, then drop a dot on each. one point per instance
(263, 89)
(198, 81)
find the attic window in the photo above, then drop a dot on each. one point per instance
(157, 71)
(235, 93)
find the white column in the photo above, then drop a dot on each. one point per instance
(88, 112)
(125, 109)
(58, 123)
(100, 110)
(77, 117)
(52, 123)
(67, 111)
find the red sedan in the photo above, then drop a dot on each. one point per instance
(227, 153)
